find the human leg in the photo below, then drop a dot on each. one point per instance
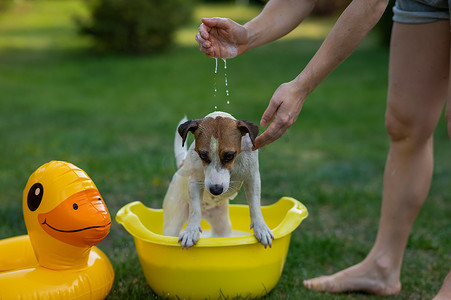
(445, 290)
(448, 103)
(418, 81)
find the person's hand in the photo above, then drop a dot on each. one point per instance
(285, 106)
(221, 38)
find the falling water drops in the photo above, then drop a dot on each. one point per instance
(226, 83)
(225, 77)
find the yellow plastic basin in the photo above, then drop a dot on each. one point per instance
(215, 267)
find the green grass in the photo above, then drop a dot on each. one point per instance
(115, 117)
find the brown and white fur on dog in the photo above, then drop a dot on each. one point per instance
(210, 173)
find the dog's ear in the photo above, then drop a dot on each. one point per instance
(184, 128)
(248, 127)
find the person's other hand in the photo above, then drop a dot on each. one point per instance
(285, 106)
(221, 38)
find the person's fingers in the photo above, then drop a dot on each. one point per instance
(198, 39)
(221, 23)
(205, 46)
(261, 141)
(272, 133)
(269, 112)
(209, 51)
(202, 42)
(203, 31)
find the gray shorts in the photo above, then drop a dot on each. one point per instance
(421, 11)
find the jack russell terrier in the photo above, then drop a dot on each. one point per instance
(210, 173)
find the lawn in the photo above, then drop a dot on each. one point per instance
(115, 117)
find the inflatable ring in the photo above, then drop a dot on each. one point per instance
(65, 218)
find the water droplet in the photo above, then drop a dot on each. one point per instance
(225, 80)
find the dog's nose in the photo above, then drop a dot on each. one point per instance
(216, 189)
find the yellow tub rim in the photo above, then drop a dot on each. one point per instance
(294, 213)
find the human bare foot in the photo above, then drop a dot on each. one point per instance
(358, 278)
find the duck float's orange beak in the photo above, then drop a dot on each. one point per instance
(81, 220)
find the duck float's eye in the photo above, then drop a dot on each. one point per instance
(75, 206)
(35, 196)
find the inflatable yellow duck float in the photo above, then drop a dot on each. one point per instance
(65, 217)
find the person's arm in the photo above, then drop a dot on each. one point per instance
(278, 18)
(346, 35)
(349, 31)
(224, 38)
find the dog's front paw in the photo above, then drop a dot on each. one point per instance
(263, 234)
(189, 237)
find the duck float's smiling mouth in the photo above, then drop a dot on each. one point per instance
(81, 220)
(75, 230)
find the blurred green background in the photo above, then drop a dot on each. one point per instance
(114, 115)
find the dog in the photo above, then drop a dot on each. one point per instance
(210, 173)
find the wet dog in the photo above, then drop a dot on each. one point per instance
(210, 173)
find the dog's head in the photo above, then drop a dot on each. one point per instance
(218, 143)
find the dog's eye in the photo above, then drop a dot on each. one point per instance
(204, 157)
(228, 157)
